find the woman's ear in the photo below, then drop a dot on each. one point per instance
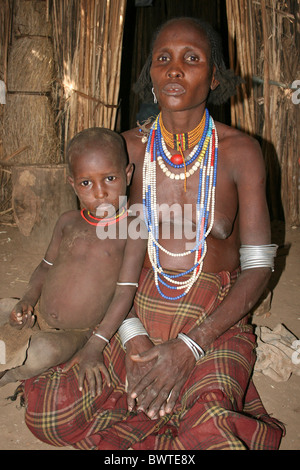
(214, 82)
(129, 173)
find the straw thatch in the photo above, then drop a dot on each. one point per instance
(28, 120)
(49, 100)
(33, 58)
(264, 49)
(29, 126)
(52, 94)
(30, 18)
(5, 173)
(28, 132)
(88, 47)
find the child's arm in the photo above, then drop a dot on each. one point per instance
(90, 357)
(22, 313)
(125, 289)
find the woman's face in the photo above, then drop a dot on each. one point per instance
(181, 70)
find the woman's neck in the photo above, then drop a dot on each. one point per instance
(178, 122)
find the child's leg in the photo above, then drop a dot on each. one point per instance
(47, 349)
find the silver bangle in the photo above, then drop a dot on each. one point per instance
(47, 262)
(194, 347)
(135, 284)
(130, 328)
(101, 337)
(257, 256)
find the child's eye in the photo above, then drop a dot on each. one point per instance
(85, 183)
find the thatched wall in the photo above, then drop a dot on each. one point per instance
(60, 61)
(27, 129)
(28, 121)
(88, 39)
(264, 49)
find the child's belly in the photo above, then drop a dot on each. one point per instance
(75, 299)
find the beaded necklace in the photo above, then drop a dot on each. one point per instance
(183, 141)
(180, 161)
(106, 221)
(198, 145)
(205, 209)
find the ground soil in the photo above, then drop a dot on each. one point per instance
(18, 258)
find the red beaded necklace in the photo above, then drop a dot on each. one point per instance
(106, 221)
(182, 142)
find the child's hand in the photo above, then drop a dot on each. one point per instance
(91, 365)
(22, 315)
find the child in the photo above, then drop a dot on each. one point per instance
(87, 277)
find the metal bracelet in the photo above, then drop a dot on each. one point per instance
(130, 328)
(257, 256)
(194, 347)
(101, 337)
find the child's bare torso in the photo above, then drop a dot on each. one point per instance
(80, 285)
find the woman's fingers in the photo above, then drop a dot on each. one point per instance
(159, 389)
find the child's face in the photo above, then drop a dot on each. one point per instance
(100, 179)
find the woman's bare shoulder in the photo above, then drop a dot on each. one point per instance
(233, 142)
(133, 136)
(135, 143)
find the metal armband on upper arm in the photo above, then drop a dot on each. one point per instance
(258, 256)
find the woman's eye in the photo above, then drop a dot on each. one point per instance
(192, 58)
(163, 58)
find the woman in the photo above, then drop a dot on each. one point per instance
(189, 347)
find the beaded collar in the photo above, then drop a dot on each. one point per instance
(183, 141)
(205, 208)
(106, 221)
(181, 161)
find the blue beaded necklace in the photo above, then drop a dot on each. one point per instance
(205, 208)
(188, 161)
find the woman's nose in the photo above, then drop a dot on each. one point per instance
(175, 71)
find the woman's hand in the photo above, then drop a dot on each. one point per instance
(91, 366)
(169, 366)
(22, 315)
(136, 370)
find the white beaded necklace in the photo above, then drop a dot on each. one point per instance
(205, 208)
(191, 171)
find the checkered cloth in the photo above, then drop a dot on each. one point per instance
(218, 407)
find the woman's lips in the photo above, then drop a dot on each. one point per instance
(173, 89)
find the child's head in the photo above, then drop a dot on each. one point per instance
(99, 169)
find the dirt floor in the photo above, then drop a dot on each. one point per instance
(18, 259)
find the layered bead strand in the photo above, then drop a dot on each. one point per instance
(207, 158)
(184, 141)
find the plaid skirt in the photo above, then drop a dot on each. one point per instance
(218, 408)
